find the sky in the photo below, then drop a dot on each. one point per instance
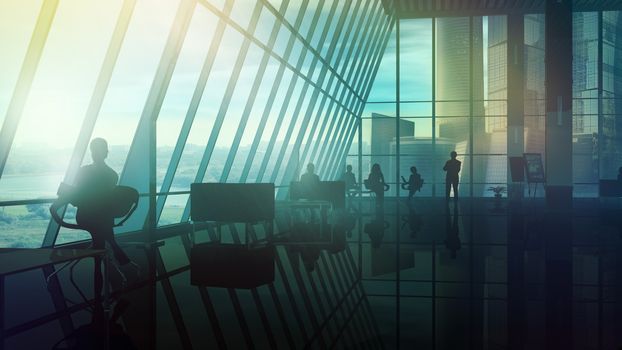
(71, 61)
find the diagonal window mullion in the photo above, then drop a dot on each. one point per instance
(376, 41)
(249, 105)
(358, 35)
(301, 99)
(267, 109)
(346, 143)
(368, 79)
(316, 53)
(340, 26)
(25, 79)
(367, 41)
(208, 63)
(95, 103)
(292, 163)
(222, 110)
(135, 160)
(309, 142)
(339, 143)
(288, 95)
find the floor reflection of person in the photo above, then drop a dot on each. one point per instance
(452, 231)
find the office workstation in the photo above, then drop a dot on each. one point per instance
(310, 174)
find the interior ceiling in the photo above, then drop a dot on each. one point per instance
(448, 8)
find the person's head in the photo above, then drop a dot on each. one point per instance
(375, 168)
(349, 168)
(453, 154)
(310, 168)
(413, 169)
(99, 149)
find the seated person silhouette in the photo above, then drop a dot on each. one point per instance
(375, 183)
(309, 182)
(349, 179)
(413, 184)
(99, 200)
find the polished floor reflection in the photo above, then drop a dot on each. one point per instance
(489, 274)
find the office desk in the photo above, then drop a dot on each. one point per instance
(14, 261)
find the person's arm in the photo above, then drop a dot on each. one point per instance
(445, 167)
(458, 167)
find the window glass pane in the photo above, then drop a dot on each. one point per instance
(59, 96)
(416, 60)
(270, 128)
(132, 77)
(253, 121)
(17, 21)
(23, 226)
(182, 85)
(236, 106)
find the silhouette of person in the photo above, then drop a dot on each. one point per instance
(94, 187)
(309, 182)
(349, 178)
(376, 184)
(452, 232)
(414, 182)
(452, 168)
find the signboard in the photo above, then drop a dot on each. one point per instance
(534, 168)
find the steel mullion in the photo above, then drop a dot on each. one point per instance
(331, 131)
(95, 103)
(347, 132)
(149, 115)
(365, 81)
(25, 79)
(323, 102)
(260, 44)
(192, 109)
(327, 117)
(347, 144)
(340, 117)
(370, 42)
(301, 100)
(381, 39)
(373, 27)
(269, 102)
(343, 125)
(290, 165)
(316, 53)
(288, 94)
(360, 35)
(253, 94)
(332, 169)
(222, 110)
(331, 16)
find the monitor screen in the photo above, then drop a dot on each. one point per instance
(231, 202)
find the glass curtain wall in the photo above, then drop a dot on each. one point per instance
(183, 91)
(453, 96)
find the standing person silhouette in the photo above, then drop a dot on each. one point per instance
(452, 168)
(376, 184)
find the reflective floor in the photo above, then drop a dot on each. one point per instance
(476, 274)
(481, 274)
